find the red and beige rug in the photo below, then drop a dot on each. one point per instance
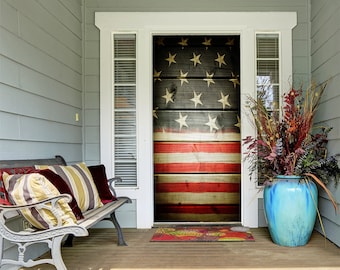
(202, 234)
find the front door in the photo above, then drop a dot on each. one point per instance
(196, 101)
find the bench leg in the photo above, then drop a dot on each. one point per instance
(56, 253)
(121, 241)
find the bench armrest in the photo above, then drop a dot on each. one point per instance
(111, 183)
(48, 204)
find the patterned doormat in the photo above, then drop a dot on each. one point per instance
(202, 234)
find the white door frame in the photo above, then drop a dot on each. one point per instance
(148, 24)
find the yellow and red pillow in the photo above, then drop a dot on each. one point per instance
(63, 188)
(55, 179)
(80, 181)
(30, 188)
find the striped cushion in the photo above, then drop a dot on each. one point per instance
(19, 170)
(80, 181)
(31, 188)
(63, 188)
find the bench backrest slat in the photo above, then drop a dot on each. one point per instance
(58, 160)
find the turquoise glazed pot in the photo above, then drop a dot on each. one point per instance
(290, 208)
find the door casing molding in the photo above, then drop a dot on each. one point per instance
(147, 24)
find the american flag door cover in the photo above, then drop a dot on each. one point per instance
(196, 114)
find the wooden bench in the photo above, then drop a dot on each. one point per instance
(56, 236)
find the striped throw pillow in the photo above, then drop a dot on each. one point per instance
(31, 188)
(80, 181)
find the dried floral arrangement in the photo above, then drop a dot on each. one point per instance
(287, 143)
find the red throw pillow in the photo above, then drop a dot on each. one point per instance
(100, 180)
(62, 187)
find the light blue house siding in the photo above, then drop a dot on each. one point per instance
(41, 79)
(325, 64)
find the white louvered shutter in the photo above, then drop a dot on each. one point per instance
(124, 73)
(268, 74)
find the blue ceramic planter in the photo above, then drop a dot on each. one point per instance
(290, 209)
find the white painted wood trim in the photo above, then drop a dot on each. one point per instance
(147, 24)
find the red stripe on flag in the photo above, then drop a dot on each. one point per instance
(230, 147)
(198, 209)
(198, 168)
(198, 187)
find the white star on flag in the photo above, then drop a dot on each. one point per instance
(160, 41)
(168, 96)
(224, 100)
(207, 42)
(196, 59)
(220, 60)
(156, 75)
(154, 113)
(212, 123)
(234, 80)
(238, 124)
(182, 121)
(197, 99)
(182, 77)
(183, 42)
(171, 59)
(209, 77)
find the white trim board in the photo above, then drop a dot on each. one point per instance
(147, 24)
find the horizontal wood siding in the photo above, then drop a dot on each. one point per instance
(325, 62)
(41, 79)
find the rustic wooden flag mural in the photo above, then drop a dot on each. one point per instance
(197, 128)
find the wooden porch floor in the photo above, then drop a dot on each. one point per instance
(100, 252)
